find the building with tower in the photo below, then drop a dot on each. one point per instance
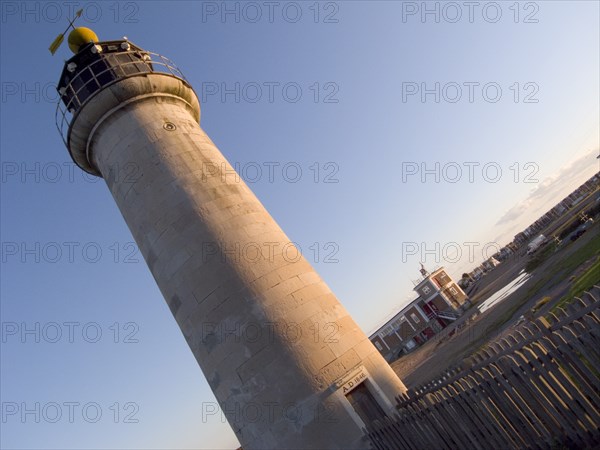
(440, 302)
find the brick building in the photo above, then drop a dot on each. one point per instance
(440, 301)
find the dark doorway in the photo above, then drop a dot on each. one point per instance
(365, 404)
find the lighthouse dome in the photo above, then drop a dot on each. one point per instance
(81, 36)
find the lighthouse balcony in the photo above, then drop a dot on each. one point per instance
(98, 65)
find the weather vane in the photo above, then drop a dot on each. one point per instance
(61, 37)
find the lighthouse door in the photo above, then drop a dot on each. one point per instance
(365, 404)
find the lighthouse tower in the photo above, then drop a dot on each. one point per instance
(288, 365)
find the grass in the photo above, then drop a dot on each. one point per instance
(539, 257)
(564, 267)
(582, 283)
(586, 280)
(582, 255)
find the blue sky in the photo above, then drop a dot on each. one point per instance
(360, 132)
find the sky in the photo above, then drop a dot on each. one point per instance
(396, 135)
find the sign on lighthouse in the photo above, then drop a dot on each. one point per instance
(266, 332)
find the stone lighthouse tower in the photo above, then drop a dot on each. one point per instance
(288, 365)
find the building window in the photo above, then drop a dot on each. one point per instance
(453, 291)
(426, 290)
(414, 317)
(378, 345)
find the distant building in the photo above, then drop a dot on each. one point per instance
(438, 292)
(491, 263)
(477, 273)
(504, 253)
(564, 205)
(403, 332)
(440, 302)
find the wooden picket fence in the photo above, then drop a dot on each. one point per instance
(536, 389)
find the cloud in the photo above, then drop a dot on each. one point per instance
(548, 193)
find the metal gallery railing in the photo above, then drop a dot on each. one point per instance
(111, 68)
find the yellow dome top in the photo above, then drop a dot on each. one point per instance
(80, 36)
